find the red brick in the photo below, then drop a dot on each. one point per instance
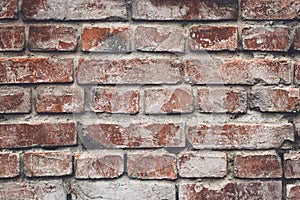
(99, 165)
(219, 100)
(297, 72)
(130, 71)
(239, 136)
(12, 38)
(8, 9)
(37, 164)
(159, 39)
(201, 165)
(56, 99)
(152, 166)
(37, 134)
(106, 39)
(206, 191)
(238, 71)
(257, 166)
(169, 100)
(297, 39)
(74, 9)
(292, 191)
(52, 38)
(266, 38)
(213, 38)
(270, 9)
(134, 135)
(35, 70)
(275, 99)
(268, 190)
(115, 100)
(15, 100)
(184, 10)
(9, 165)
(292, 165)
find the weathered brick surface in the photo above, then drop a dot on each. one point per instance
(213, 38)
(184, 10)
(266, 38)
(9, 165)
(169, 100)
(239, 136)
(152, 166)
(8, 9)
(268, 190)
(199, 165)
(292, 165)
(98, 165)
(293, 191)
(297, 39)
(15, 100)
(12, 38)
(52, 38)
(297, 72)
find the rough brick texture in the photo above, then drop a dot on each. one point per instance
(8, 9)
(293, 191)
(267, 190)
(297, 39)
(12, 38)
(292, 165)
(9, 165)
(15, 100)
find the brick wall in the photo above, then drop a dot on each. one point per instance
(149, 99)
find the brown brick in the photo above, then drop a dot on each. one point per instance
(292, 191)
(297, 39)
(270, 9)
(152, 166)
(134, 135)
(15, 100)
(213, 38)
(12, 38)
(257, 166)
(115, 100)
(268, 190)
(292, 165)
(266, 38)
(297, 72)
(239, 136)
(159, 39)
(201, 165)
(131, 71)
(56, 99)
(219, 100)
(238, 71)
(275, 99)
(37, 134)
(35, 70)
(9, 165)
(52, 38)
(213, 191)
(9, 9)
(106, 39)
(184, 10)
(169, 100)
(74, 9)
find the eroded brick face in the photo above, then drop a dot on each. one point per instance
(293, 191)
(291, 165)
(15, 100)
(9, 165)
(12, 38)
(9, 9)
(260, 190)
(297, 39)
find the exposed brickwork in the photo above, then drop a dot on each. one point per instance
(9, 165)
(9, 9)
(260, 190)
(293, 191)
(297, 39)
(15, 100)
(291, 165)
(12, 38)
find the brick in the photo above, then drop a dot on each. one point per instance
(257, 165)
(220, 100)
(177, 99)
(292, 165)
(9, 165)
(115, 100)
(202, 164)
(275, 99)
(184, 10)
(201, 191)
(42, 190)
(35, 70)
(297, 72)
(297, 39)
(106, 39)
(74, 9)
(239, 136)
(266, 38)
(52, 38)
(159, 39)
(37, 134)
(56, 99)
(268, 190)
(152, 166)
(238, 71)
(12, 38)
(292, 191)
(120, 189)
(134, 135)
(8, 9)
(15, 100)
(99, 165)
(130, 71)
(213, 38)
(270, 9)
(38, 164)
